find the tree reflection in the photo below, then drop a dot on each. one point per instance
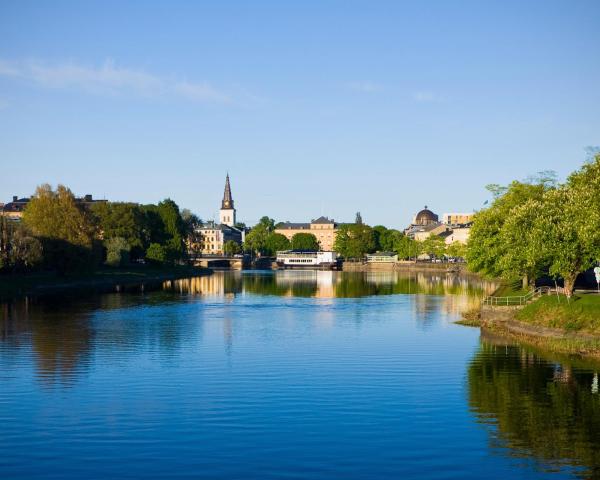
(544, 410)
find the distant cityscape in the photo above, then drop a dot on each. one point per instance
(212, 235)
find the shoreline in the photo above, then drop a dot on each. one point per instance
(503, 321)
(14, 287)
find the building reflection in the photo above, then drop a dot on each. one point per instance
(543, 409)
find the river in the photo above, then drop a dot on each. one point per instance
(290, 374)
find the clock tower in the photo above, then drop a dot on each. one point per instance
(227, 212)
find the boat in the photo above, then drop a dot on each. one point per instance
(307, 260)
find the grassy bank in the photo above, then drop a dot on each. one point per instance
(15, 286)
(581, 314)
(512, 288)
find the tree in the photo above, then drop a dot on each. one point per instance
(358, 219)
(406, 248)
(486, 245)
(122, 220)
(276, 242)
(256, 240)
(456, 250)
(174, 229)
(64, 227)
(306, 242)
(156, 254)
(117, 251)
(56, 215)
(231, 247)
(354, 241)
(433, 245)
(191, 225)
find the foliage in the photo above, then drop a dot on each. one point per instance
(117, 251)
(64, 227)
(56, 215)
(406, 247)
(19, 250)
(358, 219)
(122, 220)
(174, 228)
(433, 245)
(156, 254)
(355, 240)
(276, 242)
(306, 242)
(456, 250)
(231, 247)
(256, 239)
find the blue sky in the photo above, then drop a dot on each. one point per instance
(313, 107)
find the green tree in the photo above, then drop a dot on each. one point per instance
(117, 251)
(354, 241)
(156, 254)
(174, 229)
(193, 239)
(64, 227)
(406, 248)
(231, 247)
(486, 244)
(256, 239)
(434, 245)
(276, 242)
(305, 241)
(122, 220)
(456, 250)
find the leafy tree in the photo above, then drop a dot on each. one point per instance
(174, 229)
(358, 220)
(56, 215)
(154, 228)
(256, 240)
(305, 241)
(386, 239)
(193, 239)
(354, 241)
(456, 250)
(64, 227)
(122, 220)
(156, 254)
(276, 242)
(406, 248)
(433, 245)
(486, 245)
(26, 252)
(117, 251)
(231, 247)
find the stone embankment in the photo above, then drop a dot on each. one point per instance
(403, 266)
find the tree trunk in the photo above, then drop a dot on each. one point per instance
(569, 281)
(525, 282)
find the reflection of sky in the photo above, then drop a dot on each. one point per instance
(363, 387)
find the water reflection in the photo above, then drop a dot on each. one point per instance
(538, 409)
(460, 291)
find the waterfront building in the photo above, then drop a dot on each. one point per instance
(14, 210)
(212, 235)
(454, 227)
(323, 228)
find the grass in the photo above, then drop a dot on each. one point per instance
(512, 288)
(12, 286)
(581, 314)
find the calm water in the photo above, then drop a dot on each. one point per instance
(286, 375)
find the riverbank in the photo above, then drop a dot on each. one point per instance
(101, 280)
(551, 322)
(404, 266)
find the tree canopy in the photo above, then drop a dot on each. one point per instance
(305, 241)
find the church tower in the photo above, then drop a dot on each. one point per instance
(227, 212)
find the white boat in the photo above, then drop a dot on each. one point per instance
(302, 259)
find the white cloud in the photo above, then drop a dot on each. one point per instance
(109, 79)
(425, 97)
(365, 87)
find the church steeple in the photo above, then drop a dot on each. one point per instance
(227, 212)
(227, 202)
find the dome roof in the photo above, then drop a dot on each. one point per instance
(425, 217)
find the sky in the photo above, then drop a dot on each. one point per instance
(314, 108)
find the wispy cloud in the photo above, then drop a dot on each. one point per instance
(426, 97)
(110, 79)
(365, 87)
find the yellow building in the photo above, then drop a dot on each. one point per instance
(322, 228)
(457, 218)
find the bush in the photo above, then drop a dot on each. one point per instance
(156, 254)
(117, 252)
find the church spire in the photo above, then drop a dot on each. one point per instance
(227, 202)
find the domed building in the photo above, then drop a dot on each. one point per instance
(425, 217)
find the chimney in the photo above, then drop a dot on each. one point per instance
(15, 198)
